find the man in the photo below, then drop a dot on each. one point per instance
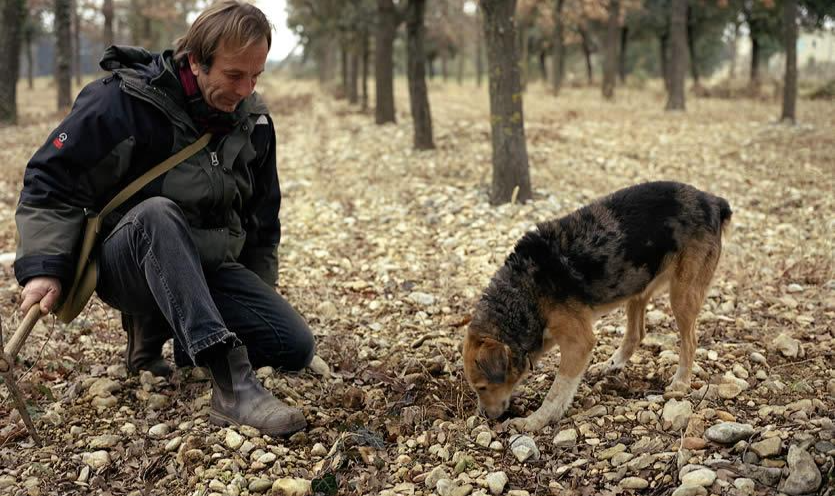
(194, 252)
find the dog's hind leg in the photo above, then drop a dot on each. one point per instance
(573, 333)
(688, 289)
(635, 332)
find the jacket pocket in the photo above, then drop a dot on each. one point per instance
(211, 246)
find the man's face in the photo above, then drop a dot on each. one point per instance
(232, 76)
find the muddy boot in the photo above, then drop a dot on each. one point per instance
(145, 339)
(239, 398)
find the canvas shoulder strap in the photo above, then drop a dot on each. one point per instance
(154, 173)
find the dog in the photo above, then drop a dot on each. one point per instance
(568, 272)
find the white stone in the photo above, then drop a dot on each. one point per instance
(159, 431)
(233, 439)
(496, 482)
(96, 459)
(422, 299)
(524, 448)
(701, 477)
(566, 438)
(677, 413)
(291, 487)
(633, 483)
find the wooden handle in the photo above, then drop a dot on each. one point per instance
(16, 343)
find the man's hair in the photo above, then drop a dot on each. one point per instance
(236, 23)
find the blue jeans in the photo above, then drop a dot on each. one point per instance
(150, 267)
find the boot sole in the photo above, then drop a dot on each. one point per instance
(222, 420)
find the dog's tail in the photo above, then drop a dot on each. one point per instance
(725, 214)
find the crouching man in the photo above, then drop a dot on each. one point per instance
(193, 254)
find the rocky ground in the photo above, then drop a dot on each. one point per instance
(385, 251)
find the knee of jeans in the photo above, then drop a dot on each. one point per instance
(301, 353)
(159, 211)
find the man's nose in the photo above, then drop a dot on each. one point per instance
(245, 88)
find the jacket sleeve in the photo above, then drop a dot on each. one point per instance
(260, 253)
(82, 160)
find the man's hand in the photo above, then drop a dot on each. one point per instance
(43, 290)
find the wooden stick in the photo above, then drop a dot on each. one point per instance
(16, 343)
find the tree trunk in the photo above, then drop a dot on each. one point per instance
(353, 76)
(790, 82)
(459, 62)
(507, 125)
(612, 39)
(624, 37)
(664, 59)
(479, 50)
(523, 54)
(732, 72)
(76, 42)
(418, 97)
(30, 54)
(430, 67)
(444, 71)
(107, 12)
(755, 61)
(384, 62)
(678, 55)
(12, 17)
(543, 68)
(558, 49)
(343, 65)
(691, 49)
(586, 44)
(365, 53)
(63, 54)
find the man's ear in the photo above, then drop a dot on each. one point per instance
(193, 64)
(493, 359)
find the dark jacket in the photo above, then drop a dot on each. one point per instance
(120, 127)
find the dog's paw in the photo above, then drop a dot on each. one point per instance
(602, 369)
(676, 390)
(525, 424)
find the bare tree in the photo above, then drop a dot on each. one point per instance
(558, 48)
(418, 97)
(76, 41)
(107, 12)
(678, 55)
(388, 20)
(510, 155)
(12, 21)
(612, 41)
(63, 53)
(790, 83)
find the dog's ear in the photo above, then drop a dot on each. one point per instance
(493, 359)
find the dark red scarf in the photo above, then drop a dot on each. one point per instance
(207, 118)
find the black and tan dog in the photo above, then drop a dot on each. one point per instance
(560, 278)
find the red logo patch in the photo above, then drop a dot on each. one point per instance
(59, 141)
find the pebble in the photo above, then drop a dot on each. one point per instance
(633, 483)
(690, 490)
(757, 357)
(104, 387)
(319, 367)
(96, 459)
(788, 346)
(159, 431)
(767, 447)
(128, 429)
(484, 438)
(423, 299)
(524, 448)
(104, 441)
(701, 477)
(729, 432)
(744, 485)
(676, 414)
(496, 482)
(566, 438)
(804, 476)
(434, 476)
(233, 439)
(318, 449)
(260, 485)
(291, 487)
(174, 444)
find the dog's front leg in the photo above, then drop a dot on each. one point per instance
(576, 341)
(553, 407)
